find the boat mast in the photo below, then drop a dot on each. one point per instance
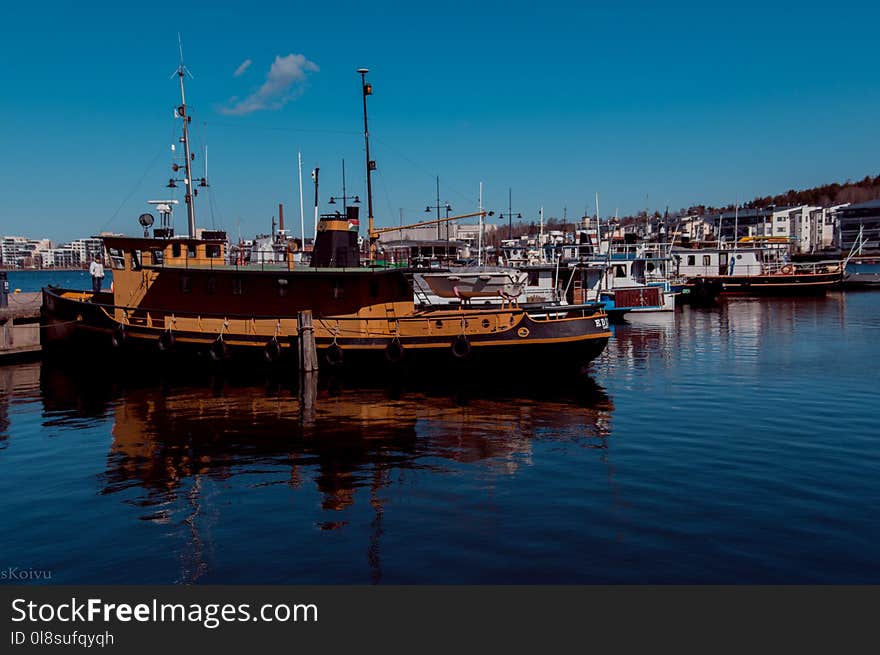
(541, 233)
(367, 89)
(302, 216)
(480, 235)
(182, 114)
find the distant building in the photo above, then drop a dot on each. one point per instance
(65, 257)
(454, 231)
(87, 249)
(864, 217)
(21, 252)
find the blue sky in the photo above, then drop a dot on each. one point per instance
(642, 103)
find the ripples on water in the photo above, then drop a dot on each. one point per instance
(737, 444)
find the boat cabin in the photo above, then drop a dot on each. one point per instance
(725, 261)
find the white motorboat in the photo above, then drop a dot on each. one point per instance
(482, 282)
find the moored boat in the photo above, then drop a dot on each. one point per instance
(185, 295)
(862, 273)
(756, 271)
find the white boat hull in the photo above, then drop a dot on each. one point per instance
(477, 284)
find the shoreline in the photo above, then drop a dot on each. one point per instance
(43, 270)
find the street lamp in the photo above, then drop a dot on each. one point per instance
(438, 207)
(355, 200)
(510, 214)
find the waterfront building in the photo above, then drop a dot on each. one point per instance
(87, 249)
(64, 257)
(864, 217)
(21, 252)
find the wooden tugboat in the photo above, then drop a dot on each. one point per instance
(173, 294)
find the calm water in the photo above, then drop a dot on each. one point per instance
(36, 280)
(733, 445)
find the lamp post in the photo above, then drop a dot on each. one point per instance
(510, 214)
(438, 207)
(355, 200)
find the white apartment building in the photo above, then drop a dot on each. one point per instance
(21, 252)
(65, 257)
(87, 249)
(810, 229)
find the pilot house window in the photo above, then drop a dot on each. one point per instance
(212, 251)
(117, 258)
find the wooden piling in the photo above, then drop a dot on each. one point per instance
(20, 327)
(308, 396)
(308, 354)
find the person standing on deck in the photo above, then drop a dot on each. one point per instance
(96, 270)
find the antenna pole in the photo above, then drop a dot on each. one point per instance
(190, 204)
(315, 178)
(367, 89)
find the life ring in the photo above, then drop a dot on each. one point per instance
(272, 350)
(788, 269)
(460, 347)
(394, 352)
(219, 350)
(334, 355)
(119, 337)
(166, 341)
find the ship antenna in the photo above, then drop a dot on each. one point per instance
(186, 118)
(367, 89)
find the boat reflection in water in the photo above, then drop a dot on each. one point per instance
(171, 444)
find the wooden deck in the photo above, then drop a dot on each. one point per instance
(20, 327)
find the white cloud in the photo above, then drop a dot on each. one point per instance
(283, 81)
(242, 68)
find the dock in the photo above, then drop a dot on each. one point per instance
(20, 327)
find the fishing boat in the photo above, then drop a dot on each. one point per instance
(756, 270)
(185, 294)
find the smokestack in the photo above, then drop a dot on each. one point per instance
(281, 218)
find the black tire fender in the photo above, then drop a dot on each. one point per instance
(166, 341)
(460, 347)
(394, 352)
(272, 350)
(334, 355)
